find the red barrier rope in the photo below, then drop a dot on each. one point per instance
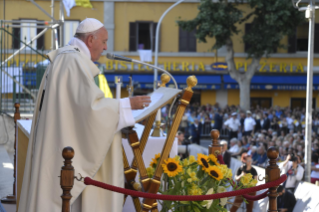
(89, 181)
(257, 197)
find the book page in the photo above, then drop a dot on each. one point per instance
(155, 97)
(159, 98)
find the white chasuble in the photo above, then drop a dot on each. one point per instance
(73, 113)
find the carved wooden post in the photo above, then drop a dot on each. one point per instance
(11, 199)
(272, 174)
(215, 147)
(67, 178)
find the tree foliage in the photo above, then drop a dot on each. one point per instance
(214, 20)
(272, 20)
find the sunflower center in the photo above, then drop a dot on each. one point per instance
(214, 173)
(171, 167)
(204, 162)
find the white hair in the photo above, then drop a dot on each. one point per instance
(223, 142)
(234, 140)
(83, 36)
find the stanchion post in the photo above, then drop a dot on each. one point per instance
(67, 178)
(215, 147)
(272, 174)
(11, 199)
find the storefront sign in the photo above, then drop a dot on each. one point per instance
(111, 65)
(272, 87)
(219, 66)
(201, 67)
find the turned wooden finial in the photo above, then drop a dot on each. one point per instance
(191, 82)
(165, 79)
(215, 147)
(17, 112)
(67, 178)
(272, 174)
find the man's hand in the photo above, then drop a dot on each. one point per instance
(283, 209)
(139, 102)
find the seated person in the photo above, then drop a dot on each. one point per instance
(261, 156)
(244, 169)
(240, 151)
(186, 149)
(286, 201)
(234, 148)
(294, 173)
(225, 153)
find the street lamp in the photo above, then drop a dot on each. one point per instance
(310, 15)
(158, 116)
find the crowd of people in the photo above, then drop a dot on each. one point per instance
(254, 130)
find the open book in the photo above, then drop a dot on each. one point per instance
(159, 98)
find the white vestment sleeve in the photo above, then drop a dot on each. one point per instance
(126, 116)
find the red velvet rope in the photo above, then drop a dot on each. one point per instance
(255, 198)
(89, 181)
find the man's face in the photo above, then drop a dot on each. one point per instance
(224, 147)
(181, 137)
(98, 44)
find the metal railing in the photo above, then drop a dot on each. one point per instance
(21, 71)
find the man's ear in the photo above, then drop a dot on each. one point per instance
(89, 40)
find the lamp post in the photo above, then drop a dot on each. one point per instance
(310, 15)
(158, 116)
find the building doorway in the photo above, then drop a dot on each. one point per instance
(260, 103)
(300, 103)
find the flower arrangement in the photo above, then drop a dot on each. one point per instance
(196, 177)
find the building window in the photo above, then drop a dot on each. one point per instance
(187, 41)
(300, 103)
(28, 32)
(25, 34)
(298, 42)
(260, 102)
(69, 29)
(142, 35)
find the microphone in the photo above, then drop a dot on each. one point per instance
(118, 57)
(130, 60)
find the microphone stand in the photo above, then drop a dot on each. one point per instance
(130, 60)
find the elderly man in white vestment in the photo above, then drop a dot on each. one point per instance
(72, 111)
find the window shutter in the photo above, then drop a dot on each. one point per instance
(16, 37)
(183, 40)
(316, 46)
(40, 40)
(154, 38)
(191, 40)
(132, 37)
(247, 29)
(292, 43)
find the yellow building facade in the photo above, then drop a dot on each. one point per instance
(176, 54)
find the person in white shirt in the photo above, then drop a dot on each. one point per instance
(249, 124)
(294, 173)
(234, 148)
(233, 125)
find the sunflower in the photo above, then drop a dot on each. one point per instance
(154, 160)
(213, 158)
(172, 167)
(203, 161)
(215, 172)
